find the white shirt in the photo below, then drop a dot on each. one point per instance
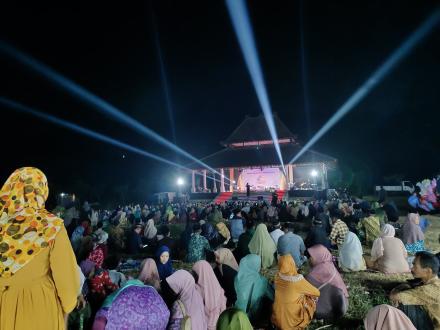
(276, 234)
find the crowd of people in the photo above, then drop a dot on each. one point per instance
(48, 282)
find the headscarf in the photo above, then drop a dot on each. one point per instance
(164, 270)
(249, 284)
(263, 245)
(350, 253)
(209, 232)
(295, 297)
(111, 297)
(386, 317)
(27, 227)
(212, 293)
(223, 230)
(136, 308)
(377, 249)
(149, 274)
(225, 257)
(233, 319)
(184, 286)
(324, 271)
(411, 230)
(150, 229)
(101, 236)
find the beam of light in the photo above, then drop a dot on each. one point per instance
(242, 26)
(163, 74)
(89, 98)
(85, 131)
(398, 55)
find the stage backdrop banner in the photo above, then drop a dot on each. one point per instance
(261, 179)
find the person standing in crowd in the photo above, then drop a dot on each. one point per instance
(292, 244)
(40, 285)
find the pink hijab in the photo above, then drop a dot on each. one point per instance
(324, 271)
(212, 293)
(183, 284)
(149, 274)
(412, 232)
(386, 317)
(225, 257)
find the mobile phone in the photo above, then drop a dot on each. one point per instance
(145, 245)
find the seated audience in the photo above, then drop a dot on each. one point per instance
(333, 299)
(135, 240)
(212, 293)
(226, 269)
(350, 254)
(339, 228)
(188, 302)
(164, 238)
(292, 244)
(262, 244)
(421, 303)
(252, 288)
(317, 235)
(295, 297)
(388, 254)
(233, 319)
(149, 275)
(242, 249)
(198, 245)
(163, 262)
(276, 233)
(412, 234)
(385, 317)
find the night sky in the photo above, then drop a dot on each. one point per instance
(110, 49)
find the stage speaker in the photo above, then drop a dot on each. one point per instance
(260, 198)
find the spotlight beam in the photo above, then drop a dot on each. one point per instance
(84, 131)
(93, 100)
(398, 55)
(243, 30)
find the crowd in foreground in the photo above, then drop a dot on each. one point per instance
(56, 272)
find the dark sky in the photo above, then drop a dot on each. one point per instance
(110, 50)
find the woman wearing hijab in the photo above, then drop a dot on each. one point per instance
(39, 281)
(295, 298)
(138, 307)
(212, 293)
(183, 285)
(386, 317)
(413, 237)
(350, 254)
(149, 274)
(226, 269)
(333, 299)
(233, 319)
(263, 245)
(163, 262)
(388, 254)
(150, 230)
(251, 287)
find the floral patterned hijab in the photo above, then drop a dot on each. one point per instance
(26, 227)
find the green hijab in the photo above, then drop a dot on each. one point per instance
(263, 245)
(109, 300)
(233, 319)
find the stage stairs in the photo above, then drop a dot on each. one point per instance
(255, 196)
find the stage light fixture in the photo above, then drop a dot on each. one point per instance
(180, 182)
(398, 55)
(314, 173)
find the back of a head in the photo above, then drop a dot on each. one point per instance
(287, 226)
(250, 223)
(428, 260)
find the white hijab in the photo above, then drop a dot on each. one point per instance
(350, 254)
(150, 230)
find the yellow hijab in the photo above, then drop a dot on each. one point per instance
(26, 227)
(295, 298)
